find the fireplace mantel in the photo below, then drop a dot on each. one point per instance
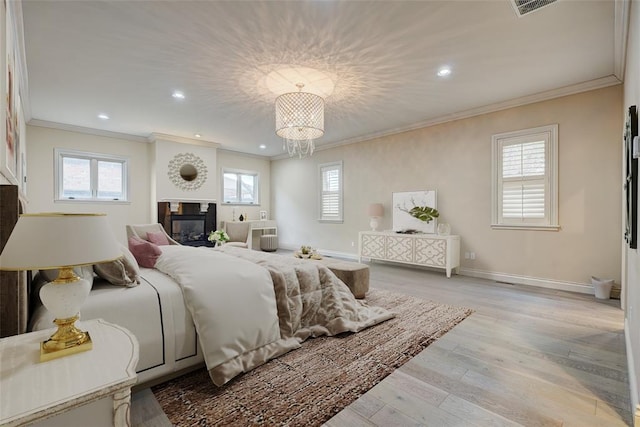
(175, 203)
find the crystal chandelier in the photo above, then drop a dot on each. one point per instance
(299, 120)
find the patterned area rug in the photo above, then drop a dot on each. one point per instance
(310, 385)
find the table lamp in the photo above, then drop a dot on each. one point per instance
(375, 211)
(61, 241)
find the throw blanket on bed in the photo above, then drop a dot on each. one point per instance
(247, 312)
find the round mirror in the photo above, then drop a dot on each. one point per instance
(188, 172)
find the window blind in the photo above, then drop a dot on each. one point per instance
(331, 193)
(523, 181)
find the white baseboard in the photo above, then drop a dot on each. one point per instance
(633, 376)
(582, 288)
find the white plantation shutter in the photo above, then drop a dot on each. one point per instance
(331, 192)
(524, 178)
(523, 183)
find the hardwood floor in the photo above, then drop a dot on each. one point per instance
(526, 356)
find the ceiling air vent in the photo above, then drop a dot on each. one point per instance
(522, 7)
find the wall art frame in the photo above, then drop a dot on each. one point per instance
(13, 129)
(630, 184)
(404, 201)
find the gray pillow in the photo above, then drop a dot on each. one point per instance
(123, 271)
(117, 272)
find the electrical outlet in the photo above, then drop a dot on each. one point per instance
(472, 255)
(353, 244)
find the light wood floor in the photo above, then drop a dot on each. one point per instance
(527, 356)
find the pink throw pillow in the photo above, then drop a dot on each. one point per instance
(157, 237)
(146, 253)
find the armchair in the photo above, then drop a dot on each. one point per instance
(239, 234)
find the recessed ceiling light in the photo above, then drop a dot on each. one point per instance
(262, 146)
(197, 135)
(444, 71)
(178, 95)
(103, 116)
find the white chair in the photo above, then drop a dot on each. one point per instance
(239, 234)
(141, 230)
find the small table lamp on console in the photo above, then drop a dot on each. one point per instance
(376, 211)
(61, 241)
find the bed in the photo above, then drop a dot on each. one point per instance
(153, 311)
(232, 309)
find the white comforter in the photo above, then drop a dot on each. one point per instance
(232, 302)
(251, 307)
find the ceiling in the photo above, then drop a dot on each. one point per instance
(126, 58)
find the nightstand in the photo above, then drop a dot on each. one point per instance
(90, 388)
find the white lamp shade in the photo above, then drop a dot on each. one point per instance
(54, 240)
(375, 210)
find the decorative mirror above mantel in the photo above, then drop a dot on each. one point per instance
(187, 171)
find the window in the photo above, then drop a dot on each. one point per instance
(331, 192)
(240, 187)
(91, 177)
(524, 182)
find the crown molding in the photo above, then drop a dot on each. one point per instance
(622, 16)
(181, 140)
(89, 131)
(600, 83)
(242, 154)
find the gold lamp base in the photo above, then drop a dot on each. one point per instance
(65, 341)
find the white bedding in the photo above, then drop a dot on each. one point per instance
(232, 302)
(251, 307)
(242, 308)
(153, 311)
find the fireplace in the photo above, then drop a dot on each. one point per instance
(188, 226)
(188, 229)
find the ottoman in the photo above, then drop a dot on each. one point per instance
(269, 242)
(353, 274)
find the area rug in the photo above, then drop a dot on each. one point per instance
(310, 385)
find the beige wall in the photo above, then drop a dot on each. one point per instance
(247, 162)
(141, 208)
(40, 158)
(632, 264)
(455, 159)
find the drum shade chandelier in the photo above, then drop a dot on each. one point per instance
(299, 120)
